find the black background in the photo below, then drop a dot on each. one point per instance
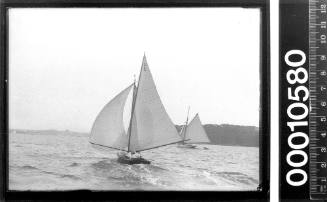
(294, 34)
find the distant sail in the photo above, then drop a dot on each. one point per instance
(195, 132)
(108, 128)
(151, 125)
(181, 133)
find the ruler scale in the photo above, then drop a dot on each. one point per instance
(318, 98)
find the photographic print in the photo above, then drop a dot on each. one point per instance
(134, 99)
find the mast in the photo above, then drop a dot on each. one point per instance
(135, 89)
(132, 114)
(185, 127)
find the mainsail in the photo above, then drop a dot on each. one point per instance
(151, 125)
(108, 128)
(195, 132)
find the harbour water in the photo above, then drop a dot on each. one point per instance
(67, 161)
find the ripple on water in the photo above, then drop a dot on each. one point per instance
(66, 165)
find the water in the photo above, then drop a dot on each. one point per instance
(67, 162)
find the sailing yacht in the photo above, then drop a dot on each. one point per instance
(193, 133)
(149, 127)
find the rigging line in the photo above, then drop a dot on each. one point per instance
(108, 147)
(131, 119)
(162, 145)
(184, 133)
(134, 101)
(186, 123)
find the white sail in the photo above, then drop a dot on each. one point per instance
(108, 128)
(151, 125)
(195, 132)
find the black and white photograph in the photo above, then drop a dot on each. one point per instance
(158, 99)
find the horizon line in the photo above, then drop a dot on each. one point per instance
(51, 129)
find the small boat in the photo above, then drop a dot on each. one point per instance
(149, 127)
(193, 133)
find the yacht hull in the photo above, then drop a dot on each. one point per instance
(130, 161)
(124, 159)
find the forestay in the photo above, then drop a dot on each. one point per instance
(151, 125)
(108, 128)
(195, 132)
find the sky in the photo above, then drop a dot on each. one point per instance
(66, 64)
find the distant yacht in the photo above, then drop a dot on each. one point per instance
(149, 126)
(193, 132)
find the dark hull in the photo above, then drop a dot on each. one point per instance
(130, 161)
